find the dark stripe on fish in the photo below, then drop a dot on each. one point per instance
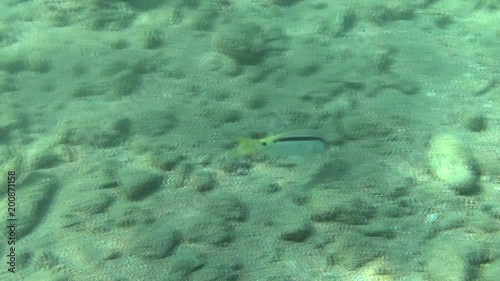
(305, 138)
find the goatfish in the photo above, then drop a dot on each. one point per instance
(298, 143)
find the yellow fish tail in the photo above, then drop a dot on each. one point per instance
(246, 146)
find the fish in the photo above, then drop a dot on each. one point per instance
(297, 143)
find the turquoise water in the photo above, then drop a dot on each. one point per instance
(119, 120)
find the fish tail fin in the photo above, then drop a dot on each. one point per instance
(246, 146)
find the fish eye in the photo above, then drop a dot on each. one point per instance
(264, 143)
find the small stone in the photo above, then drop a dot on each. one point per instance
(207, 229)
(153, 38)
(452, 258)
(227, 206)
(154, 242)
(166, 160)
(353, 250)
(475, 122)
(202, 180)
(138, 183)
(37, 190)
(243, 42)
(91, 203)
(452, 163)
(329, 206)
(294, 226)
(184, 262)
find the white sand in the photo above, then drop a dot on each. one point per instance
(119, 122)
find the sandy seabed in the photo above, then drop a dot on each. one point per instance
(119, 120)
